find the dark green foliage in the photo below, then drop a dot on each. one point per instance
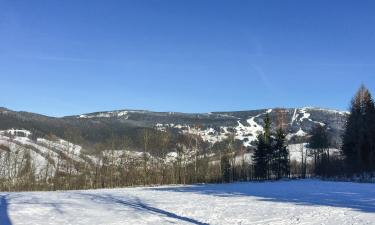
(267, 129)
(359, 138)
(281, 167)
(260, 158)
(319, 145)
(225, 168)
(262, 154)
(271, 157)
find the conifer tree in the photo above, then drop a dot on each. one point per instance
(319, 144)
(260, 158)
(225, 167)
(268, 144)
(280, 155)
(359, 137)
(263, 153)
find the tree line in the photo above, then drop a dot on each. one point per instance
(171, 158)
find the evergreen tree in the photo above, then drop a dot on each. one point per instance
(280, 155)
(267, 129)
(225, 168)
(359, 137)
(260, 158)
(268, 144)
(263, 154)
(319, 143)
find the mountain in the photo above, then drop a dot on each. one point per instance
(59, 146)
(98, 127)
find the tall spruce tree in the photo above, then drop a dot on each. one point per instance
(267, 129)
(225, 167)
(260, 158)
(319, 144)
(263, 154)
(281, 165)
(359, 137)
(269, 142)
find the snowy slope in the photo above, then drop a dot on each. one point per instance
(287, 202)
(212, 127)
(48, 156)
(246, 125)
(15, 144)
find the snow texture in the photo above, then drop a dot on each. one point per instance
(284, 202)
(248, 129)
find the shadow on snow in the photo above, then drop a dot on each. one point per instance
(359, 197)
(4, 216)
(139, 205)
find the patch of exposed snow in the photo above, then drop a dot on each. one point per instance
(294, 116)
(301, 133)
(305, 116)
(16, 132)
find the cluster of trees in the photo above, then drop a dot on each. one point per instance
(171, 158)
(165, 158)
(359, 138)
(357, 149)
(271, 157)
(358, 142)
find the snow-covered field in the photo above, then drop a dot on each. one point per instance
(285, 202)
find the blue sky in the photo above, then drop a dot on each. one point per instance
(73, 56)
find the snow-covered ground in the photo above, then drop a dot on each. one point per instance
(285, 202)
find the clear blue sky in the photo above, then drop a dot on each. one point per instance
(73, 56)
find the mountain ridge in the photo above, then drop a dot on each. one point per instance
(98, 127)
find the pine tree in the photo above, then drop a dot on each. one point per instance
(225, 168)
(319, 143)
(267, 129)
(260, 158)
(268, 144)
(368, 151)
(281, 165)
(359, 137)
(263, 154)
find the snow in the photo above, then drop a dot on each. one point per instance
(17, 154)
(250, 132)
(301, 133)
(244, 132)
(295, 152)
(40, 151)
(344, 113)
(284, 202)
(62, 145)
(294, 116)
(305, 115)
(106, 115)
(26, 133)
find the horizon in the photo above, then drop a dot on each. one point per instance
(71, 58)
(146, 110)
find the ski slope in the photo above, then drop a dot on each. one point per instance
(284, 202)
